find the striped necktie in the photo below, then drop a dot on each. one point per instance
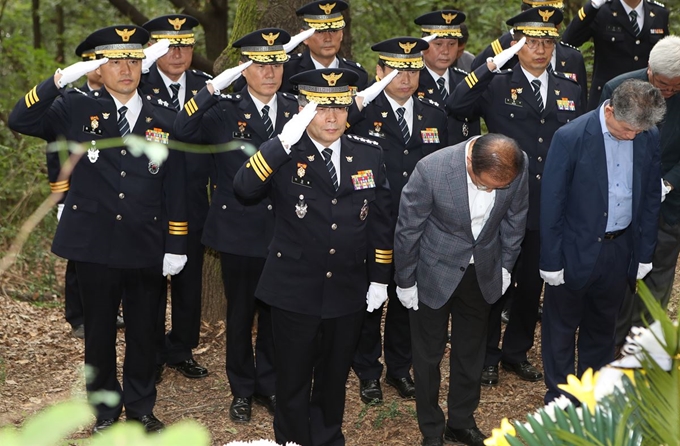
(266, 120)
(536, 84)
(327, 156)
(123, 124)
(175, 96)
(442, 88)
(402, 124)
(633, 21)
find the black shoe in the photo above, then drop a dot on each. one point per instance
(471, 436)
(150, 422)
(78, 331)
(524, 370)
(505, 316)
(120, 322)
(267, 401)
(432, 441)
(159, 373)
(404, 386)
(101, 425)
(240, 409)
(490, 375)
(370, 391)
(190, 369)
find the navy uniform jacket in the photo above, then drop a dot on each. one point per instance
(569, 60)
(327, 245)
(575, 196)
(459, 130)
(516, 115)
(199, 167)
(378, 122)
(115, 208)
(617, 49)
(234, 225)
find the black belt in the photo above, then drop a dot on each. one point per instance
(612, 235)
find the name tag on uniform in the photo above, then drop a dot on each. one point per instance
(566, 105)
(430, 135)
(363, 180)
(157, 135)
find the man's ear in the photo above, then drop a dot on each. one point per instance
(379, 72)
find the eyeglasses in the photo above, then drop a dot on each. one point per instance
(484, 188)
(665, 85)
(532, 44)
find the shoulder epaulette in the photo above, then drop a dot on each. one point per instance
(569, 45)
(351, 62)
(657, 3)
(496, 47)
(77, 90)
(295, 56)
(366, 141)
(570, 76)
(289, 96)
(202, 74)
(460, 70)
(233, 97)
(508, 71)
(158, 102)
(427, 101)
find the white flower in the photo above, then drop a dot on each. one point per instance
(647, 340)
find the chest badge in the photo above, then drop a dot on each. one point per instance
(241, 126)
(557, 92)
(156, 90)
(301, 171)
(301, 207)
(564, 63)
(364, 211)
(377, 130)
(430, 91)
(310, 158)
(246, 115)
(383, 114)
(465, 129)
(154, 167)
(286, 114)
(363, 180)
(349, 159)
(106, 115)
(566, 105)
(93, 153)
(430, 135)
(194, 92)
(420, 117)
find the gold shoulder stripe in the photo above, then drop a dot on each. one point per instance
(471, 79)
(581, 14)
(496, 47)
(191, 107)
(31, 97)
(257, 168)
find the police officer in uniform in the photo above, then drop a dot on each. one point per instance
(407, 127)
(171, 80)
(112, 226)
(332, 237)
(623, 33)
(240, 230)
(566, 59)
(440, 77)
(527, 103)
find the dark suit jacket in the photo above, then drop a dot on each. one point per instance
(433, 242)
(574, 200)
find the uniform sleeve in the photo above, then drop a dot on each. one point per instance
(253, 178)
(381, 230)
(174, 190)
(38, 114)
(468, 97)
(187, 127)
(57, 186)
(580, 30)
(513, 225)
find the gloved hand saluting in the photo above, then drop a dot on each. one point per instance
(293, 130)
(153, 53)
(173, 263)
(73, 72)
(504, 56)
(597, 3)
(376, 296)
(298, 39)
(363, 98)
(227, 77)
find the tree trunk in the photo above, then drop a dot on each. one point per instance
(35, 14)
(59, 18)
(213, 303)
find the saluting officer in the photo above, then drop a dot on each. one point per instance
(623, 33)
(332, 237)
(528, 103)
(171, 80)
(565, 58)
(112, 226)
(407, 128)
(440, 77)
(242, 229)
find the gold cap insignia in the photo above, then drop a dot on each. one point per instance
(449, 17)
(327, 8)
(545, 14)
(125, 34)
(270, 38)
(407, 47)
(177, 23)
(331, 78)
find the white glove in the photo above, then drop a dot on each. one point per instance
(597, 3)
(370, 93)
(552, 278)
(430, 38)
(504, 56)
(507, 278)
(60, 210)
(664, 190)
(153, 53)
(75, 71)
(643, 270)
(408, 297)
(298, 39)
(227, 77)
(293, 130)
(376, 296)
(173, 263)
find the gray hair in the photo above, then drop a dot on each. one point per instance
(664, 59)
(638, 103)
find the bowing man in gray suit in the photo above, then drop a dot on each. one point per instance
(461, 222)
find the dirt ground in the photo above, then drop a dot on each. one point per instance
(41, 363)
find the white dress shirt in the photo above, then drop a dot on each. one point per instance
(182, 81)
(318, 65)
(640, 13)
(408, 114)
(134, 106)
(273, 108)
(544, 83)
(336, 147)
(436, 77)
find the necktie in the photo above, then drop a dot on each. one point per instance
(327, 154)
(442, 88)
(402, 124)
(123, 124)
(175, 96)
(549, 69)
(266, 120)
(633, 21)
(536, 84)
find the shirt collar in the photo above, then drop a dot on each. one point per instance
(543, 77)
(134, 105)
(318, 65)
(259, 104)
(603, 124)
(639, 8)
(334, 146)
(436, 76)
(167, 81)
(408, 105)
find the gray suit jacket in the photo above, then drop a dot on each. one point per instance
(433, 242)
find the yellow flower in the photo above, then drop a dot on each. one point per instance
(497, 437)
(583, 389)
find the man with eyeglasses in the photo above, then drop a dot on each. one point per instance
(171, 81)
(528, 103)
(663, 72)
(461, 222)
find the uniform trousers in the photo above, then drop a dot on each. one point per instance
(592, 310)
(247, 374)
(185, 299)
(73, 304)
(313, 359)
(101, 288)
(469, 314)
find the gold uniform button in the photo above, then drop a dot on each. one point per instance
(334, 226)
(119, 217)
(334, 201)
(332, 251)
(75, 207)
(637, 42)
(121, 195)
(123, 152)
(635, 58)
(122, 174)
(329, 274)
